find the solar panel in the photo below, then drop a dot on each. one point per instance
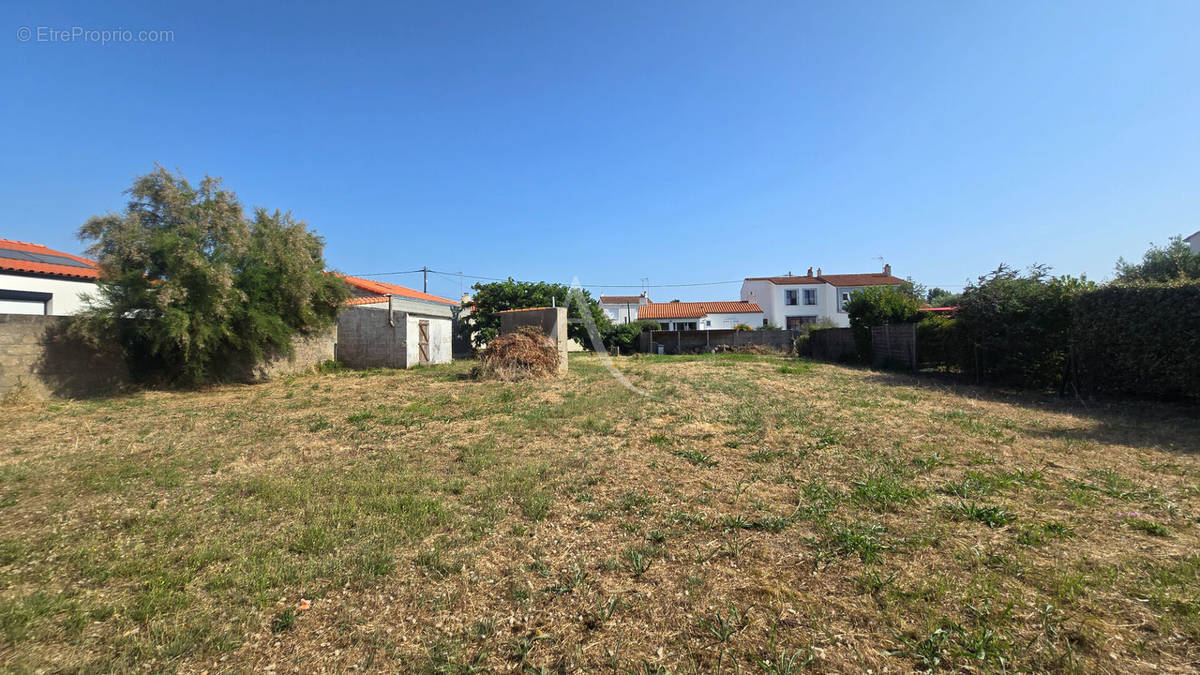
(14, 254)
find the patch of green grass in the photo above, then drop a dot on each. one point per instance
(992, 516)
(283, 620)
(1041, 533)
(1148, 526)
(796, 368)
(864, 539)
(696, 457)
(884, 493)
(638, 559)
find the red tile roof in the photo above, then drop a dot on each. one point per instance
(869, 279)
(690, 310)
(786, 281)
(89, 271)
(367, 300)
(620, 299)
(378, 288)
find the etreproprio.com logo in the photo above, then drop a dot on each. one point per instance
(99, 36)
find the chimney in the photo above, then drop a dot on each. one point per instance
(818, 271)
(810, 271)
(887, 270)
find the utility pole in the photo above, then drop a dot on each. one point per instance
(425, 277)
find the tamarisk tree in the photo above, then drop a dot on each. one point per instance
(194, 290)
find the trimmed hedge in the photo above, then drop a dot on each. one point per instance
(1139, 339)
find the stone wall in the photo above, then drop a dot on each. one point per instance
(308, 352)
(39, 359)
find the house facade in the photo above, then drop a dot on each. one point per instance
(795, 301)
(701, 315)
(1194, 241)
(622, 308)
(35, 279)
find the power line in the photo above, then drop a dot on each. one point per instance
(461, 275)
(484, 278)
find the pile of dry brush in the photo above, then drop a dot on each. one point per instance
(524, 355)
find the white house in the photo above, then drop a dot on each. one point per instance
(622, 308)
(376, 339)
(1194, 241)
(35, 279)
(701, 315)
(794, 301)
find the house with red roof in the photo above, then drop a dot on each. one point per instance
(701, 315)
(622, 308)
(35, 279)
(795, 301)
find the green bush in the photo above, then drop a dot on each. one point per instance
(877, 306)
(1015, 327)
(625, 336)
(1139, 339)
(939, 342)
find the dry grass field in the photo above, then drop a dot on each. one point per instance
(757, 515)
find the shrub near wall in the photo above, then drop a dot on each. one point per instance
(1139, 339)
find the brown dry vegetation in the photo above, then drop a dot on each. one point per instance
(759, 514)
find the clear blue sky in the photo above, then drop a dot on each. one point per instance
(684, 142)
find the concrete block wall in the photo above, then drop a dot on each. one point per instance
(551, 321)
(365, 339)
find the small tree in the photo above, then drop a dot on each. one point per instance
(193, 290)
(876, 306)
(939, 297)
(490, 299)
(1173, 262)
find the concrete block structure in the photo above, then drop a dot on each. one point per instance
(372, 336)
(551, 321)
(390, 326)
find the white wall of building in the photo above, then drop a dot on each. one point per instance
(773, 299)
(731, 320)
(66, 296)
(716, 321)
(440, 335)
(621, 312)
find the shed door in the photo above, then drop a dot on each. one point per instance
(423, 341)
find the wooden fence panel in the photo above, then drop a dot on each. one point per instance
(832, 344)
(894, 345)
